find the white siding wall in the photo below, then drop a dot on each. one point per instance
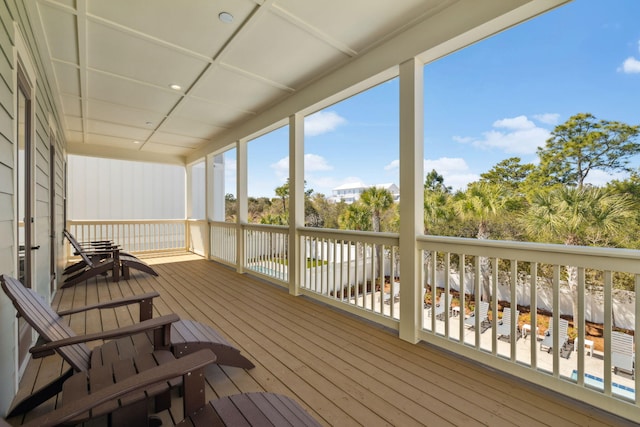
(118, 189)
(7, 225)
(43, 119)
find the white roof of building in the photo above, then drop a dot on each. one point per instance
(355, 185)
(351, 185)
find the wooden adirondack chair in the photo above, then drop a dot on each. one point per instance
(182, 337)
(94, 257)
(249, 409)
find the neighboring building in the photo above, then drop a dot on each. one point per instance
(349, 193)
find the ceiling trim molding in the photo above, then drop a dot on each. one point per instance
(90, 150)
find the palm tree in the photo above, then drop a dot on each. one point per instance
(377, 201)
(483, 201)
(283, 193)
(355, 217)
(575, 216)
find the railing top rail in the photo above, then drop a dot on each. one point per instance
(266, 227)
(123, 221)
(223, 224)
(362, 236)
(582, 256)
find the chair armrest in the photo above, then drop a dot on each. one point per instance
(147, 325)
(112, 303)
(183, 366)
(101, 250)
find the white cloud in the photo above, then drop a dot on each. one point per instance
(455, 171)
(548, 118)
(630, 66)
(312, 163)
(524, 141)
(463, 139)
(322, 122)
(600, 178)
(521, 136)
(281, 167)
(393, 165)
(516, 123)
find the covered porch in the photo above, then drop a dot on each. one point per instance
(344, 370)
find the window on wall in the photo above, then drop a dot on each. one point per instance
(350, 147)
(267, 180)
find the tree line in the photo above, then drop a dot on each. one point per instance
(549, 202)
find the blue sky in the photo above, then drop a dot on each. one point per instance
(496, 99)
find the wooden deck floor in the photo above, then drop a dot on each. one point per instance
(343, 370)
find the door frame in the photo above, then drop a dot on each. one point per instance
(25, 77)
(53, 271)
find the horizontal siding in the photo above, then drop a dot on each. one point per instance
(6, 152)
(6, 180)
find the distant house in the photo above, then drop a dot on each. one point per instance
(349, 193)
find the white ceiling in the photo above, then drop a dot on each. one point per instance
(111, 62)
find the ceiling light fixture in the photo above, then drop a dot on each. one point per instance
(136, 142)
(225, 17)
(175, 87)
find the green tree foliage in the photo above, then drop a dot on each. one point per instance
(377, 201)
(578, 216)
(283, 193)
(511, 174)
(355, 217)
(583, 144)
(435, 182)
(482, 202)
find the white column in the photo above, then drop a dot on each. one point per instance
(242, 204)
(296, 198)
(215, 192)
(411, 196)
(189, 203)
(209, 203)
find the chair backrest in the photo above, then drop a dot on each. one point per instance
(564, 330)
(621, 343)
(78, 248)
(45, 321)
(484, 310)
(506, 316)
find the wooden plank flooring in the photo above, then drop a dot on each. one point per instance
(343, 370)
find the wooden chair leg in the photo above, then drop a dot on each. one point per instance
(42, 395)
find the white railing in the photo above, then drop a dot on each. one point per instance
(223, 242)
(543, 283)
(266, 251)
(359, 272)
(133, 235)
(355, 270)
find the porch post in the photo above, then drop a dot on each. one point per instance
(209, 185)
(242, 203)
(412, 196)
(189, 206)
(296, 198)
